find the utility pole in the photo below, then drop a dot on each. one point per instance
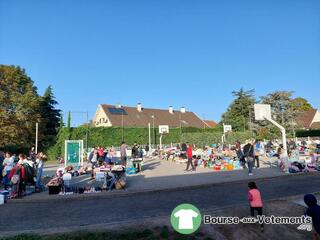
(36, 145)
(122, 130)
(250, 123)
(153, 133)
(149, 127)
(87, 131)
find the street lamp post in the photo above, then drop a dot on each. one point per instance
(153, 129)
(122, 129)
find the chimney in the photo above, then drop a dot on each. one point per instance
(183, 110)
(139, 107)
(171, 109)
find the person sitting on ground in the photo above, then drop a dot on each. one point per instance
(255, 200)
(313, 211)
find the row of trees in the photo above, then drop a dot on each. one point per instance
(285, 110)
(21, 107)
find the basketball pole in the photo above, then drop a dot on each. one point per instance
(149, 126)
(283, 132)
(161, 141)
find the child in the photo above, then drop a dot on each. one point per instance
(255, 200)
(313, 211)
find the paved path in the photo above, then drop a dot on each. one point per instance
(163, 175)
(107, 211)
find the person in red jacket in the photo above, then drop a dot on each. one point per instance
(189, 154)
(255, 200)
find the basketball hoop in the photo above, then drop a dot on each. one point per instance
(163, 129)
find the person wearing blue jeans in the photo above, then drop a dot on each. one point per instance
(39, 162)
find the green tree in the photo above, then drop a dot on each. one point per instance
(50, 118)
(283, 110)
(240, 113)
(301, 104)
(19, 108)
(69, 120)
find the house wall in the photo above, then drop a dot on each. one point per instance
(101, 119)
(316, 117)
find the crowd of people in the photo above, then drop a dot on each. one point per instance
(101, 155)
(248, 154)
(20, 171)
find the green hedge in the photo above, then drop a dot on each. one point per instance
(209, 138)
(113, 136)
(308, 133)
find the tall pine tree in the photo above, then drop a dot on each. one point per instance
(240, 110)
(50, 119)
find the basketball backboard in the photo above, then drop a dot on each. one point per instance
(163, 129)
(262, 112)
(227, 128)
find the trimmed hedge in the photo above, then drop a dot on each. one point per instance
(209, 138)
(308, 133)
(113, 136)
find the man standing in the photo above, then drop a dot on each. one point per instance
(184, 149)
(147, 150)
(189, 155)
(257, 150)
(248, 152)
(123, 153)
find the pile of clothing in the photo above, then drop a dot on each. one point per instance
(20, 176)
(55, 185)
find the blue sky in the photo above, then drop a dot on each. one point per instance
(162, 53)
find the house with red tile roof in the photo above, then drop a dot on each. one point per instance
(309, 119)
(210, 124)
(123, 116)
